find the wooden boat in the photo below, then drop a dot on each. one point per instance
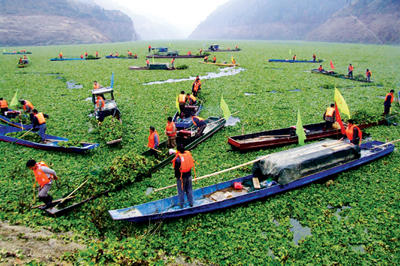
(337, 75)
(205, 202)
(19, 53)
(8, 121)
(175, 56)
(117, 57)
(69, 59)
(286, 136)
(186, 137)
(52, 141)
(294, 61)
(186, 122)
(220, 64)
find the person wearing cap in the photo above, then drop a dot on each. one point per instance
(170, 131)
(353, 133)
(183, 164)
(329, 117)
(44, 176)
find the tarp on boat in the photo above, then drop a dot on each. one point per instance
(293, 164)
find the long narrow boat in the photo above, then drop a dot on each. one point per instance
(220, 64)
(186, 137)
(52, 141)
(223, 195)
(117, 57)
(69, 59)
(18, 53)
(226, 50)
(175, 56)
(187, 121)
(294, 61)
(14, 124)
(286, 136)
(337, 75)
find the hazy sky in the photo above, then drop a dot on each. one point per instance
(184, 15)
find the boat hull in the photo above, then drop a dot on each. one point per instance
(331, 74)
(261, 140)
(186, 122)
(216, 51)
(70, 59)
(293, 61)
(219, 64)
(151, 211)
(175, 56)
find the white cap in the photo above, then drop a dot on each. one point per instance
(171, 151)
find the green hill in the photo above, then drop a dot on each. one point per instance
(266, 19)
(365, 21)
(45, 22)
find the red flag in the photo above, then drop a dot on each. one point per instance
(332, 66)
(339, 120)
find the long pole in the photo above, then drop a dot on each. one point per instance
(220, 172)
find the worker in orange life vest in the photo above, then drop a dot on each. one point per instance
(320, 69)
(182, 102)
(39, 123)
(97, 54)
(200, 51)
(149, 48)
(28, 108)
(206, 59)
(314, 57)
(294, 57)
(236, 47)
(329, 117)
(353, 133)
(44, 176)
(20, 61)
(192, 99)
(170, 131)
(200, 124)
(100, 104)
(350, 69)
(388, 102)
(196, 87)
(214, 59)
(3, 106)
(81, 56)
(86, 54)
(154, 140)
(96, 85)
(369, 74)
(183, 164)
(172, 62)
(147, 62)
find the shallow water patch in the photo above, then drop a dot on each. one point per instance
(223, 72)
(249, 94)
(295, 90)
(299, 232)
(72, 85)
(232, 121)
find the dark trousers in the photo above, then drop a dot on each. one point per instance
(200, 130)
(101, 116)
(387, 109)
(328, 125)
(154, 153)
(350, 74)
(182, 108)
(4, 110)
(187, 189)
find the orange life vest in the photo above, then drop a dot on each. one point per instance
(28, 103)
(192, 98)
(182, 98)
(116, 54)
(351, 68)
(147, 61)
(172, 61)
(85, 53)
(330, 111)
(197, 117)
(389, 94)
(215, 58)
(170, 128)
(96, 86)
(228, 48)
(98, 101)
(206, 58)
(81, 56)
(151, 139)
(369, 73)
(40, 118)
(196, 86)
(24, 56)
(349, 132)
(320, 68)
(294, 57)
(3, 104)
(314, 56)
(186, 161)
(40, 176)
(97, 54)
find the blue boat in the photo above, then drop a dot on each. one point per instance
(190, 110)
(117, 57)
(52, 141)
(203, 202)
(18, 53)
(294, 61)
(69, 59)
(8, 121)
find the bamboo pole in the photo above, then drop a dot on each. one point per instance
(217, 173)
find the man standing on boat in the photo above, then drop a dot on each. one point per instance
(3, 106)
(369, 74)
(314, 57)
(182, 102)
(148, 63)
(196, 87)
(96, 85)
(200, 124)
(44, 176)
(154, 141)
(200, 51)
(97, 54)
(28, 108)
(149, 48)
(294, 58)
(170, 131)
(388, 102)
(206, 59)
(39, 123)
(329, 117)
(172, 62)
(192, 99)
(214, 59)
(350, 69)
(100, 104)
(183, 164)
(353, 133)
